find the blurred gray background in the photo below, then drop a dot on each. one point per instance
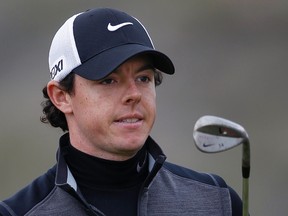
(231, 61)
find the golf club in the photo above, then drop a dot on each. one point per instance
(214, 134)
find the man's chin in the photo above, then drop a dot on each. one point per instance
(131, 146)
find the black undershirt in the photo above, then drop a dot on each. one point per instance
(110, 186)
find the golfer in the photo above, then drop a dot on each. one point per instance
(104, 70)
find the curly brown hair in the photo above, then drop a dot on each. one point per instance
(52, 115)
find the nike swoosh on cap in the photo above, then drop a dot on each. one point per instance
(116, 27)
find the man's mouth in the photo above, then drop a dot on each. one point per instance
(129, 120)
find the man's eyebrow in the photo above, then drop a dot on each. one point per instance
(146, 67)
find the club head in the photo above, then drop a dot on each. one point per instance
(214, 134)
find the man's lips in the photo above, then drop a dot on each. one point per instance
(130, 119)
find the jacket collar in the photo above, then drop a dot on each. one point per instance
(65, 179)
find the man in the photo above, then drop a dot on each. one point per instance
(104, 70)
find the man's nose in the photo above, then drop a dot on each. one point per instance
(132, 93)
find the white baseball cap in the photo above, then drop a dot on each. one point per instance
(94, 43)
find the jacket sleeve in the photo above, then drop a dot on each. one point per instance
(25, 199)
(4, 210)
(236, 203)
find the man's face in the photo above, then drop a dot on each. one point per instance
(111, 118)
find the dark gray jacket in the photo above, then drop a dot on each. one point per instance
(169, 190)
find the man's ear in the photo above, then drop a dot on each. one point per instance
(59, 97)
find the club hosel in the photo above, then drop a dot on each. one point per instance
(245, 172)
(246, 159)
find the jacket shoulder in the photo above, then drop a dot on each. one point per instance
(210, 179)
(29, 196)
(205, 178)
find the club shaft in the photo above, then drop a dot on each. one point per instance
(245, 175)
(245, 196)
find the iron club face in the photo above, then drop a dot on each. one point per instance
(214, 134)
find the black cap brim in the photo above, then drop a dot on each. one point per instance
(106, 62)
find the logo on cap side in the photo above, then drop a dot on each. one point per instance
(56, 69)
(116, 27)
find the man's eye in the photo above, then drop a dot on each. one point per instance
(144, 79)
(107, 81)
